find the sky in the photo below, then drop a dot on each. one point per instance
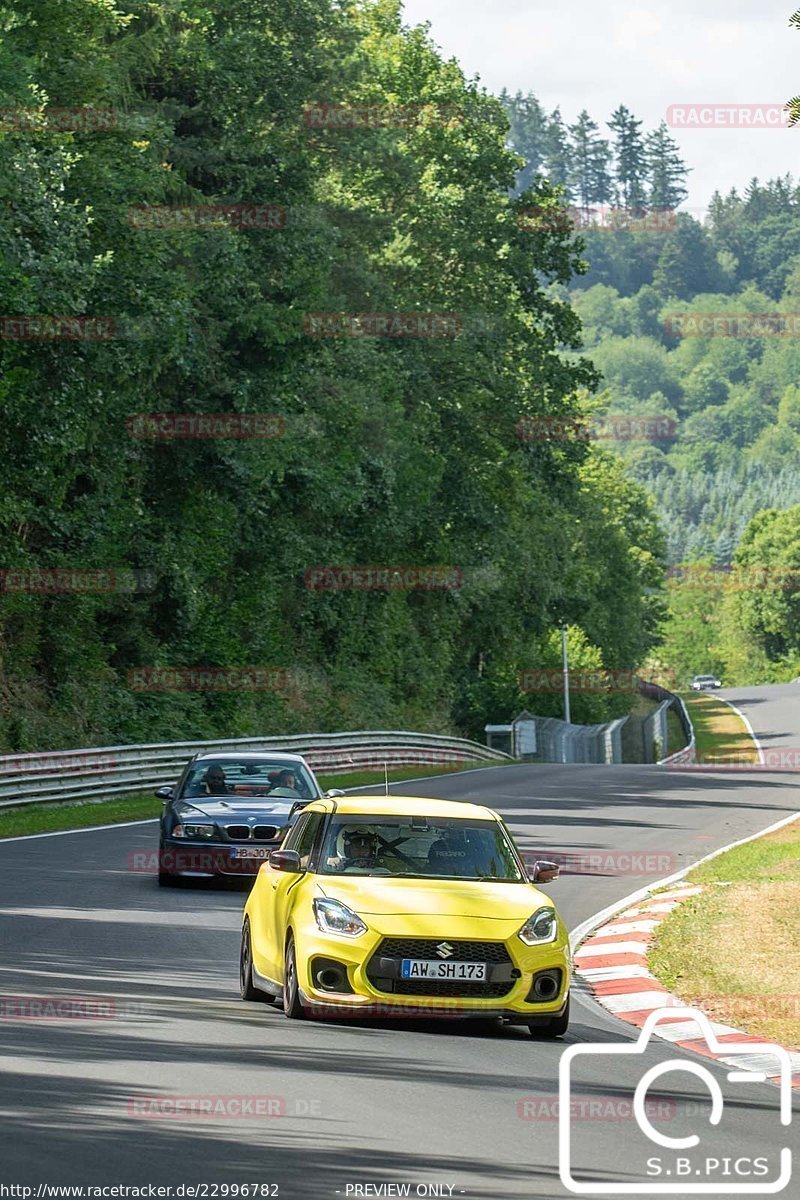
(659, 60)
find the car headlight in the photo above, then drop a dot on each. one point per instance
(541, 927)
(334, 917)
(191, 831)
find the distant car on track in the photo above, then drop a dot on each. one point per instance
(405, 907)
(705, 683)
(228, 811)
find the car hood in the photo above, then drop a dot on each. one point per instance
(232, 808)
(379, 895)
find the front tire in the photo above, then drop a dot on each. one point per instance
(247, 988)
(291, 988)
(557, 1027)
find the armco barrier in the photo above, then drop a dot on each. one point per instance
(94, 773)
(669, 700)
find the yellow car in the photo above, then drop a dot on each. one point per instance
(391, 906)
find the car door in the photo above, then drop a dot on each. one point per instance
(282, 883)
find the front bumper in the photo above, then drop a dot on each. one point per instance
(373, 981)
(208, 860)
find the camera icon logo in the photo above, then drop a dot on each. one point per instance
(683, 1176)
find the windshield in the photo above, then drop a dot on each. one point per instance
(248, 776)
(433, 848)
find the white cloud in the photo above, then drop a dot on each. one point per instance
(578, 54)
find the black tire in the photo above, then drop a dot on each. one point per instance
(167, 880)
(291, 989)
(553, 1029)
(247, 989)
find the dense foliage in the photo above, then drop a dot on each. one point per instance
(396, 451)
(727, 394)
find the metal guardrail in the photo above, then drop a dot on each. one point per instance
(688, 753)
(107, 771)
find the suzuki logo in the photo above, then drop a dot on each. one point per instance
(445, 950)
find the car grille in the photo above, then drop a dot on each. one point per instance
(265, 833)
(254, 833)
(238, 833)
(494, 953)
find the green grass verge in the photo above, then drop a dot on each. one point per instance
(720, 735)
(50, 818)
(734, 950)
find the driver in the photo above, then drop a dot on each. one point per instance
(357, 847)
(215, 784)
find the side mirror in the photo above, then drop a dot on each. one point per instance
(164, 793)
(285, 860)
(333, 792)
(543, 871)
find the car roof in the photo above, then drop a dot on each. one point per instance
(403, 806)
(263, 755)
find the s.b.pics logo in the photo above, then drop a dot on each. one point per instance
(693, 1157)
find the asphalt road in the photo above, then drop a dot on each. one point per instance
(360, 1105)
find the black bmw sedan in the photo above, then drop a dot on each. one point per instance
(228, 811)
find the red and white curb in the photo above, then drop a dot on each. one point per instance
(613, 962)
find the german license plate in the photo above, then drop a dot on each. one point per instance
(261, 852)
(434, 968)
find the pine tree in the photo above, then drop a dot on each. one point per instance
(601, 181)
(557, 157)
(590, 156)
(666, 169)
(527, 134)
(631, 158)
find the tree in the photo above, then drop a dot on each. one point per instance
(630, 158)
(687, 263)
(589, 157)
(558, 153)
(527, 135)
(666, 170)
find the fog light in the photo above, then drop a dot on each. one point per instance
(545, 986)
(330, 976)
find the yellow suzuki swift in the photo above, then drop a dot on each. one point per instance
(396, 907)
